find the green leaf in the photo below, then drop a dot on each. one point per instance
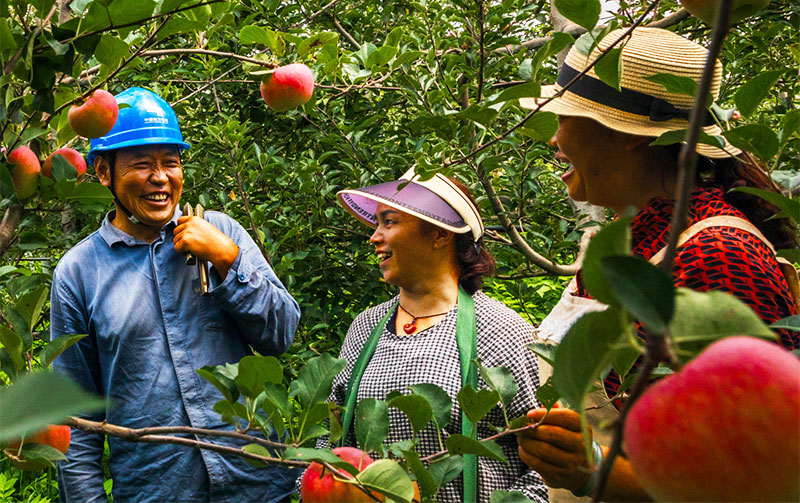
(547, 394)
(124, 12)
(754, 138)
(21, 326)
(110, 50)
(516, 92)
(476, 404)
(792, 255)
(258, 450)
(12, 342)
(57, 346)
(371, 424)
(753, 92)
(584, 13)
(62, 169)
(87, 193)
(789, 207)
(789, 124)
(314, 381)
(382, 56)
(613, 239)
(674, 83)
(415, 407)
(253, 34)
(702, 317)
(543, 350)
(461, 444)
(7, 41)
(321, 455)
(557, 43)
(426, 482)
(30, 305)
(541, 126)
(388, 478)
(406, 57)
(39, 399)
(166, 6)
(438, 399)
(42, 452)
(501, 496)
(642, 288)
(788, 323)
(501, 380)
(679, 136)
(446, 470)
(584, 353)
(336, 431)
(609, 67)
(221, 380)
(479, 113)
(255, 371)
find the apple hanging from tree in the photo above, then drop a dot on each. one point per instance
(55, 436)
(288, 87)
(95, 116)
(25, 169)
(71, 155)
(726, 427)
(319, 486)
(706, 10)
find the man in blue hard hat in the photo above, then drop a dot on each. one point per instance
(149, 327)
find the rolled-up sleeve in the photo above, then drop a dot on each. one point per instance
(262, 308)
(80, 477)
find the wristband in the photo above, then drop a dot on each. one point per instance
(594, 478)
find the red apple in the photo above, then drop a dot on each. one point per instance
(56, 436)
(25, 169)
(288, 87)
(706, 10)
(319, 486)
(71, 155)
(726, 427)
(94, 117)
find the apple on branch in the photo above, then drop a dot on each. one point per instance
(706, 10)
(726, 427)
(95, 116)
(55, 436)
(25, 169)
(71, 155)
(288, 87)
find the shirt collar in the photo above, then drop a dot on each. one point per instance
(113, 235)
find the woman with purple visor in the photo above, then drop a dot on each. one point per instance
(429, 240)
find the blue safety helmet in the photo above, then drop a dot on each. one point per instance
(147, 120)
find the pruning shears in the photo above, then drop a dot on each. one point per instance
(202, 265)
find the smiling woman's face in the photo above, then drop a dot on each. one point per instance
(404, 246)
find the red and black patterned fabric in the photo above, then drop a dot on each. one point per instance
(718, 258)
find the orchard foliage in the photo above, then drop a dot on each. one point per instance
(429, 83)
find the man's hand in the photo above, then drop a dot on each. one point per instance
(555, 448)
(198, 237)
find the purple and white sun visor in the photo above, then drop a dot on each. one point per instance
(434, 200)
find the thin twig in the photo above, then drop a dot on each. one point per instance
(134, 435)
(657, 348)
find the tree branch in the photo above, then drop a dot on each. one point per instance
(139, 435)
(165, 52)
(345, 33)
(8, 226)
(13, 61)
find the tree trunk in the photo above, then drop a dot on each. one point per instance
(8, 225)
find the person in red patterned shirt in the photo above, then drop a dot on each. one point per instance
(605, 135)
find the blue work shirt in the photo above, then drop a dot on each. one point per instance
(148, 330)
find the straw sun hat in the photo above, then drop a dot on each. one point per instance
(436, 200)
(642, 107)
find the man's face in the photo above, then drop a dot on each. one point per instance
(148, 180)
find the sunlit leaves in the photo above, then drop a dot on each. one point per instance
(753, 92)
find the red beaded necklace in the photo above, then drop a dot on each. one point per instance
(410, 328)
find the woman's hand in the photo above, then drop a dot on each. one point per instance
(555, 448)
(200, 238)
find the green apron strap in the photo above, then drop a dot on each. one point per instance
(358, 372)
(466, 338)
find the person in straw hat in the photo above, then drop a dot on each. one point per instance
(604, 137)
(429, 240)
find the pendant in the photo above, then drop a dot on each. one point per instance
(409, 328)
